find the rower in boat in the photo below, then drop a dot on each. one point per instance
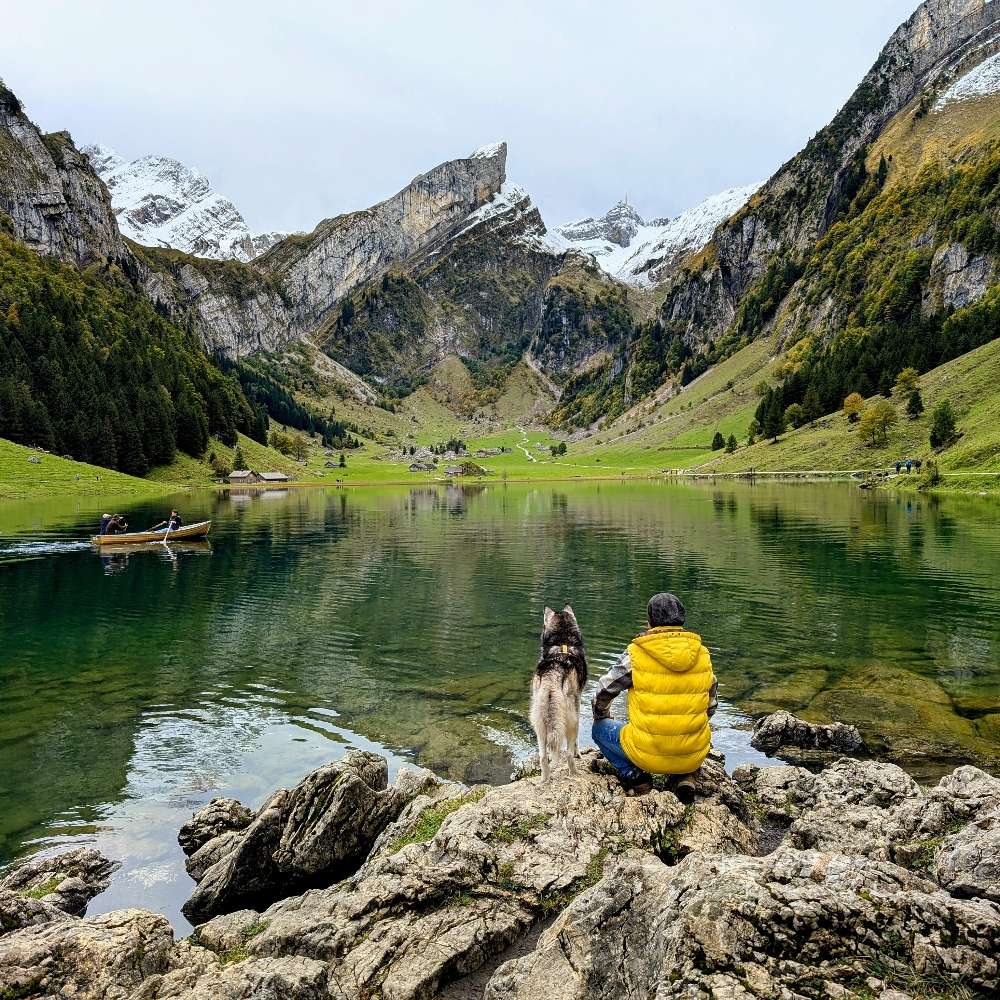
(173, 522)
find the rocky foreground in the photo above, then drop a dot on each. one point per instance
(777, 882)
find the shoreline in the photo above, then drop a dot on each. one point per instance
(160, 489)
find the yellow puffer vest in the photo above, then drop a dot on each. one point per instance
(667, 731)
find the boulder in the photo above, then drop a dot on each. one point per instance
(17, 911)
(97, 958)
(782, 730)
(792, 924)
(950, 832)
(67, 881)
(218, 817)
(313, 835)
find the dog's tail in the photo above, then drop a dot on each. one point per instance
(554, 710)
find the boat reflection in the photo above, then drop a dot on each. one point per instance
(115, 558)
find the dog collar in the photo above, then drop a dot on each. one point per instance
(565, 648)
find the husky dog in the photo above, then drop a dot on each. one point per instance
(560, 677)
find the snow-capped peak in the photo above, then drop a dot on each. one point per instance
(161, 202)
(641, 253)
(619, 225)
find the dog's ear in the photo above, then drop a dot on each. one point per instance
(568, 610)
(547, 615)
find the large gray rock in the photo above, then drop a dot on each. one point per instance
(67, 881)
(213, 820)
(782, 730)
(793, 924)
(876, 810)
(314, 834)
(97, 958)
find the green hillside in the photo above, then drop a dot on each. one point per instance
(24, 479)
(970, 383)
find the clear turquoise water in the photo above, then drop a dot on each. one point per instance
(134, 688)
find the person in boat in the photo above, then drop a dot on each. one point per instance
(113, 524)
(173, 522)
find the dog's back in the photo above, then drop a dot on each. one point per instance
(559, 680)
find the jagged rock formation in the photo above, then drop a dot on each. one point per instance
(67, 881)
(877, 885)
(318, 831)
(159, 201)
(50, 199)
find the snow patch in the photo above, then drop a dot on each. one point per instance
(510, 200)
(634, 260)
(983, 79)
(488, 152)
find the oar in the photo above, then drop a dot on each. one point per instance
(167, 532)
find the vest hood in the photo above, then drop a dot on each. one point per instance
(672, 646)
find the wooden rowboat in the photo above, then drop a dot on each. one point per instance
(185, 531)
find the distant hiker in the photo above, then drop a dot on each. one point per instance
(672, 695)
(899, 465)
(909, 466)
(917, 463)
(173, 522)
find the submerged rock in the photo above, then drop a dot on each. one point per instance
(67, 881)
(782, 730)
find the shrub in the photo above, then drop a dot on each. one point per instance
(718, 442)
(876, 421)
(943, 430)
(914, 405)
(853, 405)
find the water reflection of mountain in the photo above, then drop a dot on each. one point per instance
(411, 616)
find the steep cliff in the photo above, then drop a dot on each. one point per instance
(50, 199)
(807, 195)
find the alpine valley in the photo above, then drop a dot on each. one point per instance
(145, 328)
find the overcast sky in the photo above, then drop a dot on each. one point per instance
(301, 109)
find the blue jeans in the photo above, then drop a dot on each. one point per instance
(607, 735)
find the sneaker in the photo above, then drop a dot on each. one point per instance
(640, 783)
(684, 790)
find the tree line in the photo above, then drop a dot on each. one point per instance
(90, 369)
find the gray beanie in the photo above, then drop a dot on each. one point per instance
(664, 609)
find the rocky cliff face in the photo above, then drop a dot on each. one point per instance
(800, 202)
(50, 199)
(161, 202)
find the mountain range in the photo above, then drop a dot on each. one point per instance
(606, 312)
(159, 201)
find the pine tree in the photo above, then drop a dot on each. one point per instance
(343, 461)
(731, 444)
(239, 459)
(943, 428)
(718, 442)
(914, 405)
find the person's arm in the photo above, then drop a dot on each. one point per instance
(616, 680)
(156, 527)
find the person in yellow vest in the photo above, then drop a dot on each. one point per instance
(672, 693)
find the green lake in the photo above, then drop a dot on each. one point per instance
(135, 687)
